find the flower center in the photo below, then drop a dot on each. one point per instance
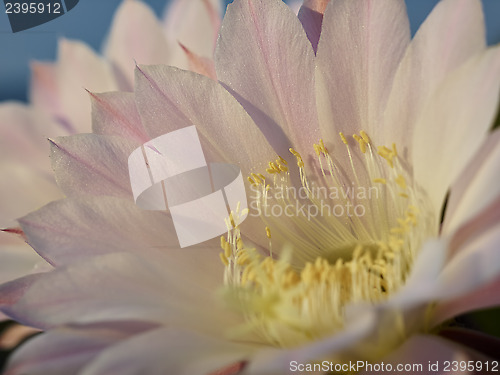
(351, 230)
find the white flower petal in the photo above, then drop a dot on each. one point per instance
(44, 92)
(23, 189)
(484, 297)
(477, 264)
(450, 35)
(68, 350)
(79, 68)
(476, 187)
(75, 229)
(195, 24)
(454, 123)
(92, 164)
(181, 353)
(360, 47)
(264, 57)
(170, 288)
(23, 134)
(115, 113)
(17, 260)
(136, 37)
(420, 351)
(277, 361)
(169, 99)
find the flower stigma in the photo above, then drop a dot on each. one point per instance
(328, 261)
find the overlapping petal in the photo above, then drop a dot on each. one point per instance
(136, 38)
(454, 123)
(356, 62)
(69, 349)
(182, 353)
(154, 288)
(73, 229)
(265, 59)
(451, 34)
(92, 164)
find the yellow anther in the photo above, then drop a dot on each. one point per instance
(239, 243)
(403, 195)
(223, 242)
(364, 136)
(343, 138)
(380, 180)
(322, 145)
(256, 178)
(283, 160)
(400, 180)
(273, 166)
(300, 162)
(361, 141)
(317, 149)
(227, 250)
(394, 150)
(243, 259)
(224, 259)
(261, 176)
(244, 276)
(251, 180)
(268, 232)
(270, 171)
(283, 168)
(231, 220)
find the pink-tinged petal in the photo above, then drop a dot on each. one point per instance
(421, 351)
(68, 350)
(482, 222)
(17, 261)
(195, 24)
(79, 68)
(169, 99)
(450, 35)
(74, 229)
(92, 164)
(181, 352)
(265, 59)
(170, 288)
(454, 124)
(116, 114)
(477, 187)
(199, 64)
(136, 37)
(311, 17)
(475, 265)
(44, 91)
(23, 134)
(277, 361)
(361, 45)
(23, 189)
(12, 291)
(484, 297)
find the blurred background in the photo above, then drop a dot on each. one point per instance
(90, 20)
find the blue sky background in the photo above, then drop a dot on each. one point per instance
(90, 20)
